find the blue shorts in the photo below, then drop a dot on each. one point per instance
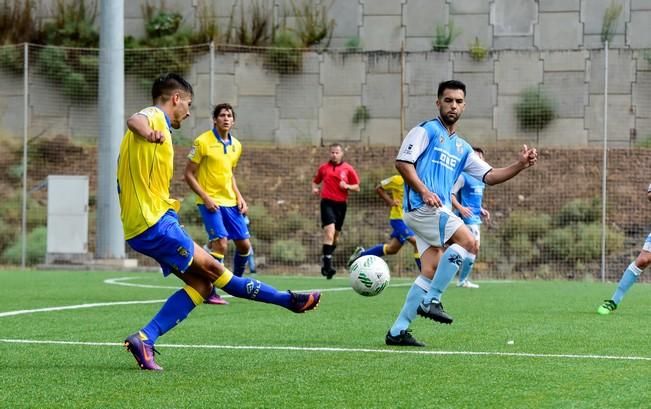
(226, 222)
(167, 243)
(400, 230)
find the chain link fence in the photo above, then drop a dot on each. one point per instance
(290, 105)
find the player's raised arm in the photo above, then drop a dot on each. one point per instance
(139, 125)
(526, 158)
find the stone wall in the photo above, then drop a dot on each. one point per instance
(387, 24)
(317, 105)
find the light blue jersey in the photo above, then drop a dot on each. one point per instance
(470, 193)
(439, 159)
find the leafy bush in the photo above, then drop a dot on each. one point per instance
(579, 211)
(285, 57)
(11, 209)
(75, 72)
(7, 234)
(534, 110)
(313, 24)
(288, 251)
(445, 35)
(11, 57)
(35, 251)
(294, 222)
(73, 25)
(580, 243)
(521, 249)
(163, 23)
(532, 224)
(262, 224)
(361, 115)
(477, 51)
(609, 22)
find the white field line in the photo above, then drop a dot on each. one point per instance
(342, 350)
(114, 303)
(120, 281)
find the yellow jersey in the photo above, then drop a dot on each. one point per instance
(395, 186)
(144, 175)
(216, 159)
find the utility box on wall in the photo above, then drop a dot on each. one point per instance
(67, 219)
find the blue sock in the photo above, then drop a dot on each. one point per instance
(175, 309)
(628, 279)
(252, 289)
(377, 250)
(239, 263)
(449, 264)
(465, 270)
(408, 312)
(251, 261)
(417, 260)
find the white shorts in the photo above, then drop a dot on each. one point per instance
(647, 244)
(475, 230)
(433, 226)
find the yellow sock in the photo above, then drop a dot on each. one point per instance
(224, 279)
(193, 294)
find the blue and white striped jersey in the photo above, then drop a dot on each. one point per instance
(439, 159)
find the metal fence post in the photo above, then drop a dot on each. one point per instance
(23, 255)
(605, 168)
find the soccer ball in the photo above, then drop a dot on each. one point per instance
(369, 275)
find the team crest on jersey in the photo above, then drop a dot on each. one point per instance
(183, 252)
(459, 147)
(343, 175)
(441, 139)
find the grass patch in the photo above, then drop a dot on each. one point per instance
(338, 358)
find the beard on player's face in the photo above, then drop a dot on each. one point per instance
(449, 118)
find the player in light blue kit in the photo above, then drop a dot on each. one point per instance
(430, 160)
(630, 275)
(467, 197)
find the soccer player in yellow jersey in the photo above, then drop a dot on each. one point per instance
(209, 173)
(151, 224)
(391, 190)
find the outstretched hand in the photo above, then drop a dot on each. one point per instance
(528, 156)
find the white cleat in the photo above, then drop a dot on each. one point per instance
(467, 284)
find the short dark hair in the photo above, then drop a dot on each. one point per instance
(478, 150)
(220, 107)
(452, 84)
(166, 84)
(335, 145)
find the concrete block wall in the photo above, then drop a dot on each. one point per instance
(550, 44)
(388, 24)
(317, 105)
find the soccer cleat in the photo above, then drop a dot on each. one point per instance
(356, 254)
(404, 339)
(302, 302)
(434, 312)
(215, 299)
(328, 272)
(143, 352)
(467, 284)
(607, 307)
